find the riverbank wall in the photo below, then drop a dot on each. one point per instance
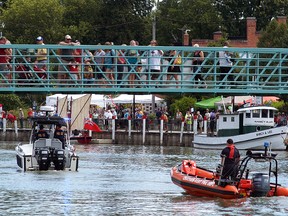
(170, 138)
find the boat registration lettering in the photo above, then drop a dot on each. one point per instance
(264, 133)
(199, 181)
(263, 122)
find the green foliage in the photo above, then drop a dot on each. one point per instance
(234, 12)
(25, 20)
(152, 116)
(174, 17)
(183, 104)
(219, 43)
(90, 21)
(10, 101)
(275, 35)
(94, 21)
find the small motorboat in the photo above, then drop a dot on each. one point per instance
(83, 137)
(202, 182)
(47, 152)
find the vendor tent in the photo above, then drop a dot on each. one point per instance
(125, 98)
(238, 100)
(98, 99)
(208, 103)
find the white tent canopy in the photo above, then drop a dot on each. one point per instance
(52, 100)
(125, 98)
(98, 99)
(101, 100)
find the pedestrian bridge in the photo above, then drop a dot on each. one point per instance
(255, 71)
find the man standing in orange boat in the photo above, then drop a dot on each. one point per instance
(231, 156)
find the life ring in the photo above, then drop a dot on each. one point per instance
(189, 167)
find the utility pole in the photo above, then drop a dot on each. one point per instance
(154, 22)
(154, 38)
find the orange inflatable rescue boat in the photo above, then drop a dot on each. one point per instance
(202, 182)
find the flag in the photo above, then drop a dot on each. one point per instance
(90, 125)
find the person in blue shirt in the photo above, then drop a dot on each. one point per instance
(109, 62)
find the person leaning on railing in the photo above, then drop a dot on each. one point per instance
(174, 70)
(66, 56)
(99, 55)
(41, 54)
(198, 58)
(154, 62)
(132, 59)
(5, 57)
(110, 62)
(225, 62)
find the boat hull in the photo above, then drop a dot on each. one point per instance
(27, 162)
(82, 139)
(255, 140)
(201, 182)
(202, 186)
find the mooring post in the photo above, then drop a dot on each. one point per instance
(113, 130)
(182, 131)
(161, 131)
(144, 130)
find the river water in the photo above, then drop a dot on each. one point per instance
(122, 180)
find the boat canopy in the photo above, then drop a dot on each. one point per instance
(49, 120)
(245, 109)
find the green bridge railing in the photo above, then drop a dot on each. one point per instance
(129, 69)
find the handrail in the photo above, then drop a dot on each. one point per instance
(257, 71)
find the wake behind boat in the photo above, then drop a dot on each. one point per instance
(199, 181)
(45, 151)
(249, 127)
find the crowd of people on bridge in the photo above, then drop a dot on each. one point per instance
(130, 67)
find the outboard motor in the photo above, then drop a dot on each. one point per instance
(59, 159)
(260, 185)
(43, 159)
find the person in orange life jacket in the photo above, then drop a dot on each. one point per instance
(232, 158)
(42, 133)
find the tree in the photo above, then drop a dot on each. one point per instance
(183, 104)
(174, 17)
(122, 21)
(10, 101)
(235, 12)
(275, 35)
(25, 20)
(80, 18)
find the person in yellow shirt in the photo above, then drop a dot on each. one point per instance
(41, 54)
(188, 120)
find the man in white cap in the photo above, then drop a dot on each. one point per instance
(66, 57)
(41, 54)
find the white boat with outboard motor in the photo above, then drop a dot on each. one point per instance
(248, 127)
(47, 152)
